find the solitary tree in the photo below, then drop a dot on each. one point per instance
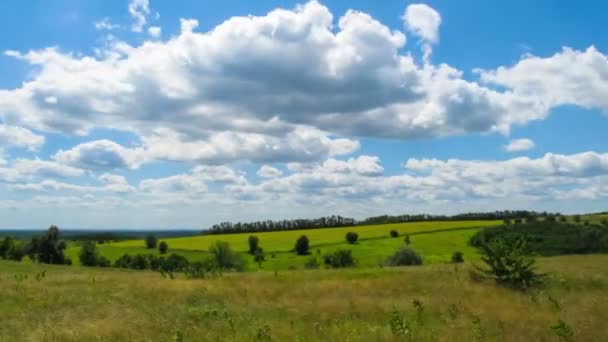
(163, 247)
(253, 244)
(302, 245)
(48, 248)
(88, 254)
(394, 233)
(151, 241)
(352, 237)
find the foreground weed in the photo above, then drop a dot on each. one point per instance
(263, 334)
(555, 303)
(399, 324)
(563, 330)
(419, 307)
(178, 337)
(478, 332)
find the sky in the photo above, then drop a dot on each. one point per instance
(159, 115)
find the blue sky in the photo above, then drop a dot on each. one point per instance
(155, 114)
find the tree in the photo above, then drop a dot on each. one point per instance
(577, 218)
(507, 263)
(163, 247)
(223, 256)
(253, 244)
(407, 240)
(340, 258)
(302, 245)
(352, 237)
(259, 257)
(88, 254)
(48, 248)
(394, 233)
(11, 249)
(151, 241)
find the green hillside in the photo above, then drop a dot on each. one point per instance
(436, 241)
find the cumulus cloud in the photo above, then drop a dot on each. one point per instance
(20, 137)
(27, 169)
(100, 155)
(139, 11)
(423, 21)
(154, 31)
(518, 145)
(266, 171)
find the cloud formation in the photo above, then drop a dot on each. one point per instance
(518, 145)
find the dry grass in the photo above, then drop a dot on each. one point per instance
(80, 304)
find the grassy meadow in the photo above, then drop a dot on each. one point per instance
(435, 241)
(48, 303)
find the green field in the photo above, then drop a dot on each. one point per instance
(94, 304)
(435, 241)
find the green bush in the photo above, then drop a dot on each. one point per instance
(352, 237)
(394, 233)
(163, 247)
(48, 248)
(457, 257)
(405, 256)
(508, 264)
(11, 249)
(254, 244)
(88, 255)
(407, 240)
(224, 258)
(340, 258)
(302, 245)
(312, 263)
(259, 256)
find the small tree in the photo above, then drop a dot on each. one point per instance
(508, 264)
(259, 257)
(151, 241)
(163, 247)
(407, 240)
(302, 245)
(223, 256)
(577, 218)
(88, 254)
(394, 233)
(352, 237)
(253, 244)
(457, 257)
(48, 248)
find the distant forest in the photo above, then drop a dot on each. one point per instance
(339, 221)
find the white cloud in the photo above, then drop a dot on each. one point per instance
(116, 183)
(518, 145)
(20, 137)
(154, 31)
(139, 11)
(266, 171)
(100, 155)
(423, 21)
(105, 25)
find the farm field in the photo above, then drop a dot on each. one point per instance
(82, 304)
(435, 241)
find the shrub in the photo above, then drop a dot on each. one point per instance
(576, 218)
(563, 218)
(224, 258)
(457, 257)
(508, 264)
(123, 262)
(10, 249)
(517, 221)
(253, 244)
(340, 258)
(163, 247)
(88, 255)
(151, 241)
(174, 263)
(139, 262)
(352, 237)
(507, 221)
(302, 245)
(259, 257)
(604, 222)
(405, 256)
(312, 263)
(394, 233)
(407, 239)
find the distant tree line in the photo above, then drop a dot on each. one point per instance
(339, 221)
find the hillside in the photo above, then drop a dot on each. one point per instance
(44, 302)
(436, 241)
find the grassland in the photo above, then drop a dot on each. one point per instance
(86, 304)
(436, 241)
